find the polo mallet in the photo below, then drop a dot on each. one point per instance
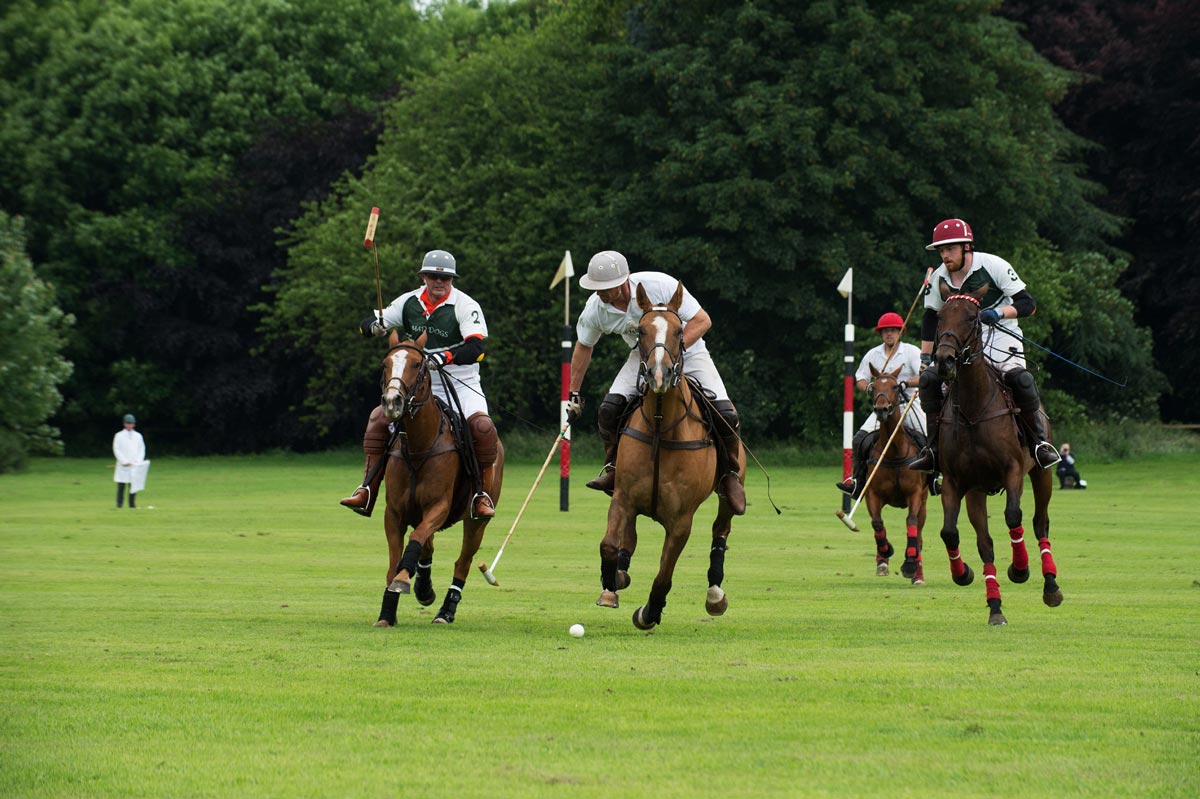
(911, 308)
(369, 243)
(483, 567)
(848, 518)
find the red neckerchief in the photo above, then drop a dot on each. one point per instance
(424, 298)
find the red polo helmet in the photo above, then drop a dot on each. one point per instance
(951, 231)
(889, 319)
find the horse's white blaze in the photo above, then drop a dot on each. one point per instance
(660, 352)
(399, 360)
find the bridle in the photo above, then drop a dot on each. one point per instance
(894, 399)
(968, 349)
(675, 372)
(409, 404)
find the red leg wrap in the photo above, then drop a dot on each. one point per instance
(1020, 554)
(957, 567)
(881, 544)
(1048, 566)
(990, 581)
(911, 551)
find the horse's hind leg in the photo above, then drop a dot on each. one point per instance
(977, 513)
(918, 542)
(912, 545)
(1043, 485)
(715, 601)
(472, 538)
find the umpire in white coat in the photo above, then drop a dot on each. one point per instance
(129, 448)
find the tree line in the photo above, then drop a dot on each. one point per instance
(193, 180)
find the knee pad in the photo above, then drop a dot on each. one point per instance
(1023, 386)
(484, 438)
(728, 413)
(930, 390)
(377, 434)
(859, 438)
(608, 416)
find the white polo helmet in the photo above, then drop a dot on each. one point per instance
(438, 262)
(606, 270)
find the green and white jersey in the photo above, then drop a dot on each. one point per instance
(446, 324)
(1002, 281)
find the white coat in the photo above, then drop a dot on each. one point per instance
(129, 448)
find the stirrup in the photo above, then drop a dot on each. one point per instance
(1040, 450)
(363, 509)
(605, 481)
(847, 486)
(925, 462)
(475, 506)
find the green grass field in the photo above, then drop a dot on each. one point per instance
(220, 644)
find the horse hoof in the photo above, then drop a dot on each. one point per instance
(442, 618)
(385, 623)
(1016, 575)
(909, 568)
(623, 580)
(608, 599)
(881, 569)
(399, 586)
(997, 620)
(716, 603)
(1053, 598)
(966, 578)
(918, 581)
(423, 591)
(640, 622)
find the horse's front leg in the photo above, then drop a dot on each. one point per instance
(1018, 570)
(472, 538)
(914, 522)
(648, 616)
(393, 527)
(432, 520)
(616, 549)
(715, 601)
(883, 547)
(951, 503)
(977, 513)
(423, 584)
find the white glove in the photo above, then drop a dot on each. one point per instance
(574, 407)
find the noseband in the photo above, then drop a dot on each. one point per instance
(676, 371)
(965, 350)
(892, 405)
(409, 404)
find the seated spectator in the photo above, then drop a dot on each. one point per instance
(1068, 475)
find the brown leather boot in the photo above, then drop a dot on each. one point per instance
(375, 440)
(486, 444)
(607, 479)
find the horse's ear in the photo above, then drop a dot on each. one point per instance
(874, 371)
(676, 298)
(394, 338)
(980, 292)
(896, 373)
(945, 289)
(642, 300)
(420, 342)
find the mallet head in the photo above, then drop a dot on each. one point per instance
(847, 520)
(487, 574)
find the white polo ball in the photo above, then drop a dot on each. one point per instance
(576, 630)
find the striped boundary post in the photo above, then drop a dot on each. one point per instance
(564, 454)
(848, 411)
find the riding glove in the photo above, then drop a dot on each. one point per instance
(990, 316)
(574, 407)
(371, 326)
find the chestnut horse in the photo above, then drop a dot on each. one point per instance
(427, 487)
(981, 453)
(893, 484)
(665, 470)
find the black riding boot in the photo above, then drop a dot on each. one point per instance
(851, 485)
(608, 422)
(931, 401)
(1025, 395)
(729, 467)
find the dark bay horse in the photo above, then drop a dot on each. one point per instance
(427, 487)
(893, 484)
(981, 454)
(665, 470)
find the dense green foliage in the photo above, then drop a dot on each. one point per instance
(161, 153)
(1136, 99)
(755, 151)
(33, 331)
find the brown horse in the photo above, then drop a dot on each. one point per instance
(428, 488)
(893, 484)
(665, 471)
(981, 454)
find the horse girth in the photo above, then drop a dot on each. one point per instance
(657, 442)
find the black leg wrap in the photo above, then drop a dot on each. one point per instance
(423, 585)
(449, 605)
(716, 562)
(623, 556)
(387, 611)
(608, 574)
(412, 556)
